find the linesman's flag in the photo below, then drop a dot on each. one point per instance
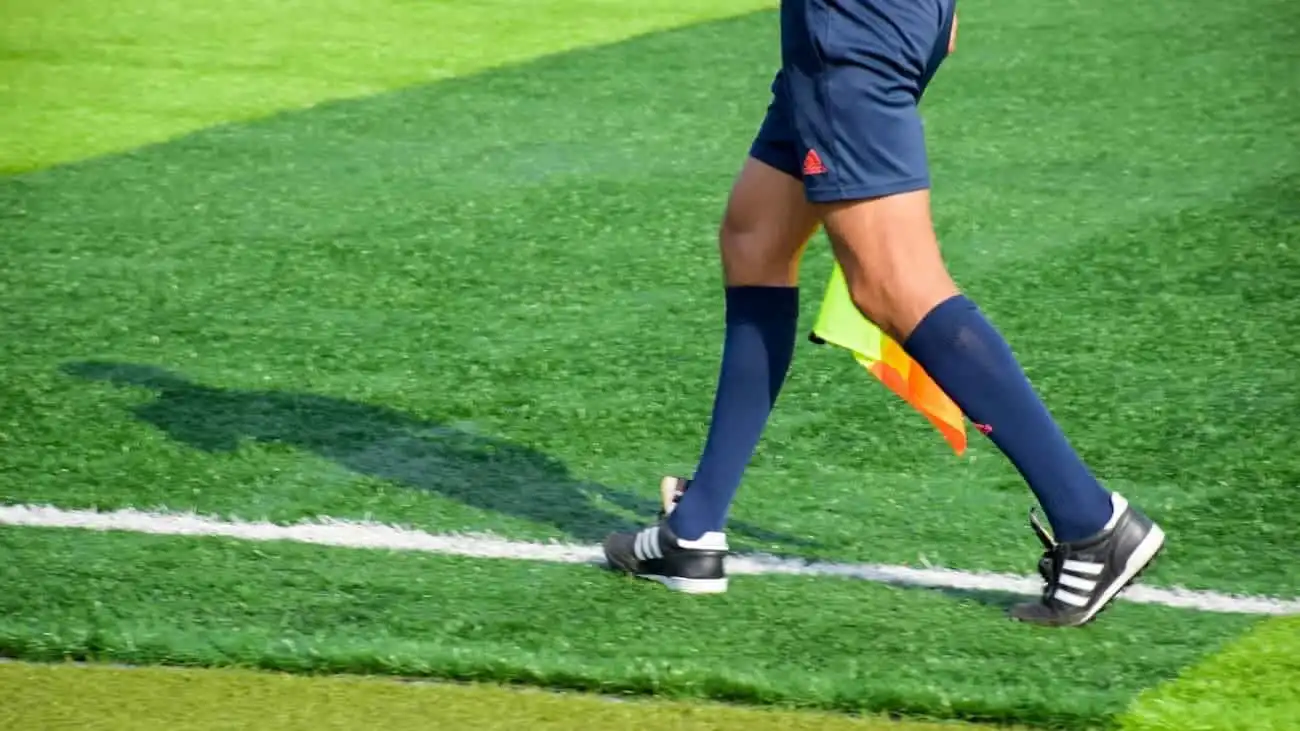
(839, 323)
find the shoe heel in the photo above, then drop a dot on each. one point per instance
(692, 586)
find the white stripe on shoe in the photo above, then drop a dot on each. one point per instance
(1086, 568)
(1075, 582)
(1070, 597)
(652, 546)
(645, 545)
(1137, 560)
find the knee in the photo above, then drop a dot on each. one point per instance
(756, 255)
(739, 231)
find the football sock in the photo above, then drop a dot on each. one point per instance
(973, 364)
(756, 353)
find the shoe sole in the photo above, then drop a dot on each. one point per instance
(688, 586)
(1137, 562)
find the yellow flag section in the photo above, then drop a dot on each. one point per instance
(839, 323)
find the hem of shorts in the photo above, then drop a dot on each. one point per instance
(864, 192)
(771, 161)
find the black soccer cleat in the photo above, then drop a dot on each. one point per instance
(1085, 576)
(693, 567)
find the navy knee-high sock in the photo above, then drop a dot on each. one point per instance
(756, 355)
(973, 363)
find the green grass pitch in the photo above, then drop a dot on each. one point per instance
(466, 283)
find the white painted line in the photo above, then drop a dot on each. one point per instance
(365, 534)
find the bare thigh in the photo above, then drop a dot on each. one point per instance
(767, 224)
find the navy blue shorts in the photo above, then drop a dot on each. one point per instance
(843, 116)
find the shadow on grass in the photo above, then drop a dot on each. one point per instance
(482, 472)
(1000, 600)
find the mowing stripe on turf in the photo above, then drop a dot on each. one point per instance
(363, 534)
(1253, 684)
(84, 78)
(114, 698)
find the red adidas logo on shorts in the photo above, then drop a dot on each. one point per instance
(812, 164)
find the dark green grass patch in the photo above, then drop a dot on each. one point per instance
(781, 640)
(492, 303)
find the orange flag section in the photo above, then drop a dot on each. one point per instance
(839, 323)
(905, 377)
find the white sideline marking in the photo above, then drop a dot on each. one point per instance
(365, 534)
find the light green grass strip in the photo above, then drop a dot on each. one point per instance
(80, 78)
(1252, 685)
(97, 698)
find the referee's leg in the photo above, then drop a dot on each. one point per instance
(856, 74)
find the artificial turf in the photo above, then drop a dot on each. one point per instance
(96, 698)
(80, 78)
(1251, 685)
(814, 643)
(491, 303)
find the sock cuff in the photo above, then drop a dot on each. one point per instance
(946, 315)
(762, 303)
